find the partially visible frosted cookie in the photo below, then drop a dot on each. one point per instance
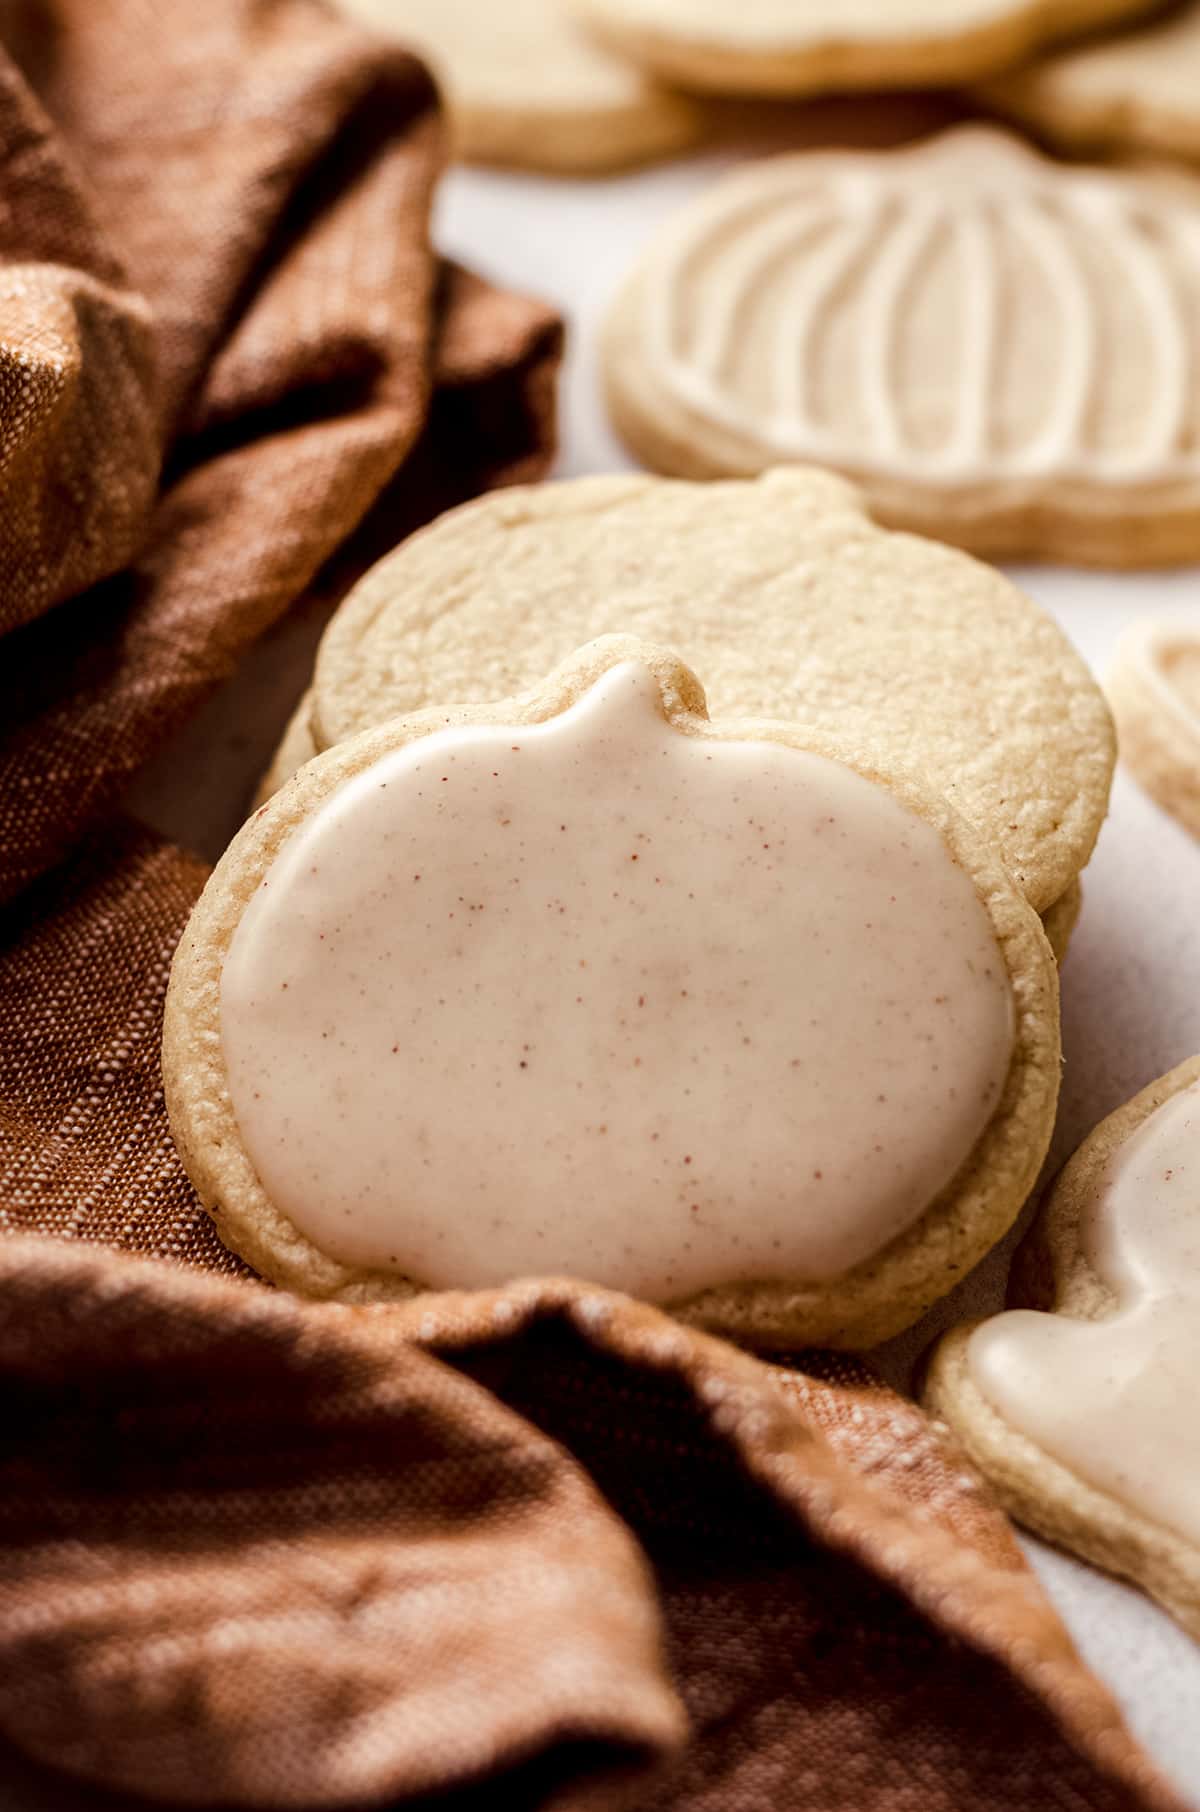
(1000, 349)
(526, 86)
(719, 1014)
(811, 46)
(1139, 92)
(1079, 1404)
(792, 602)
(1154, 689)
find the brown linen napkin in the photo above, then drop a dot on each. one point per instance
(530, 1547)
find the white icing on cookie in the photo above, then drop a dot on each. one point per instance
(1115, 1400)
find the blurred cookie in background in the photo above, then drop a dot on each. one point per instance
(814, 47)
(1137, 91)
(527, 87)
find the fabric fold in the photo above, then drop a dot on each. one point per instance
(276, 341)
(340, 1555)
(78, 365)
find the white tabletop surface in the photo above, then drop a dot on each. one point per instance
(1131, 984)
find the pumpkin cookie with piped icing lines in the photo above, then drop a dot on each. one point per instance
(810, 47)
(995, 346)
(1154, 689)
(1078, 1403)
(715, 1012)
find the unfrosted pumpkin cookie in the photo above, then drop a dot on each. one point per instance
(791, 603)
(1079, 1404)
(718, 1014)
(810, 46)
(526, 86)
(997, 347)
(1137, 92)
(1154, 688)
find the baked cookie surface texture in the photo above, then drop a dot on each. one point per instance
(996, 346)
(1080, 1409)
(810, 46)
(527, 87)
(715, 1013)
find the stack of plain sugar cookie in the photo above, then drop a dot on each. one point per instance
(664, 878)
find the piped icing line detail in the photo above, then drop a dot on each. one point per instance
(816, 281)
(971, 439)
(1166, 337)
(1076, 366)
(616, 994)
(1107, 1397)
(911, 233)
(864, 225)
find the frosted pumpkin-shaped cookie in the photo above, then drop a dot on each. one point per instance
(1000, 349)
(1081, 1408)
(812, 46)
(1154, 687)
(791, 603)
(713, 1013)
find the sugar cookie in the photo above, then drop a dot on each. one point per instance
(791, 603)
(810, 47)
(1083, 1418)
(1154, 689)
(714, 1013)
(997, 347)
(527, 87)
(1139, 92)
